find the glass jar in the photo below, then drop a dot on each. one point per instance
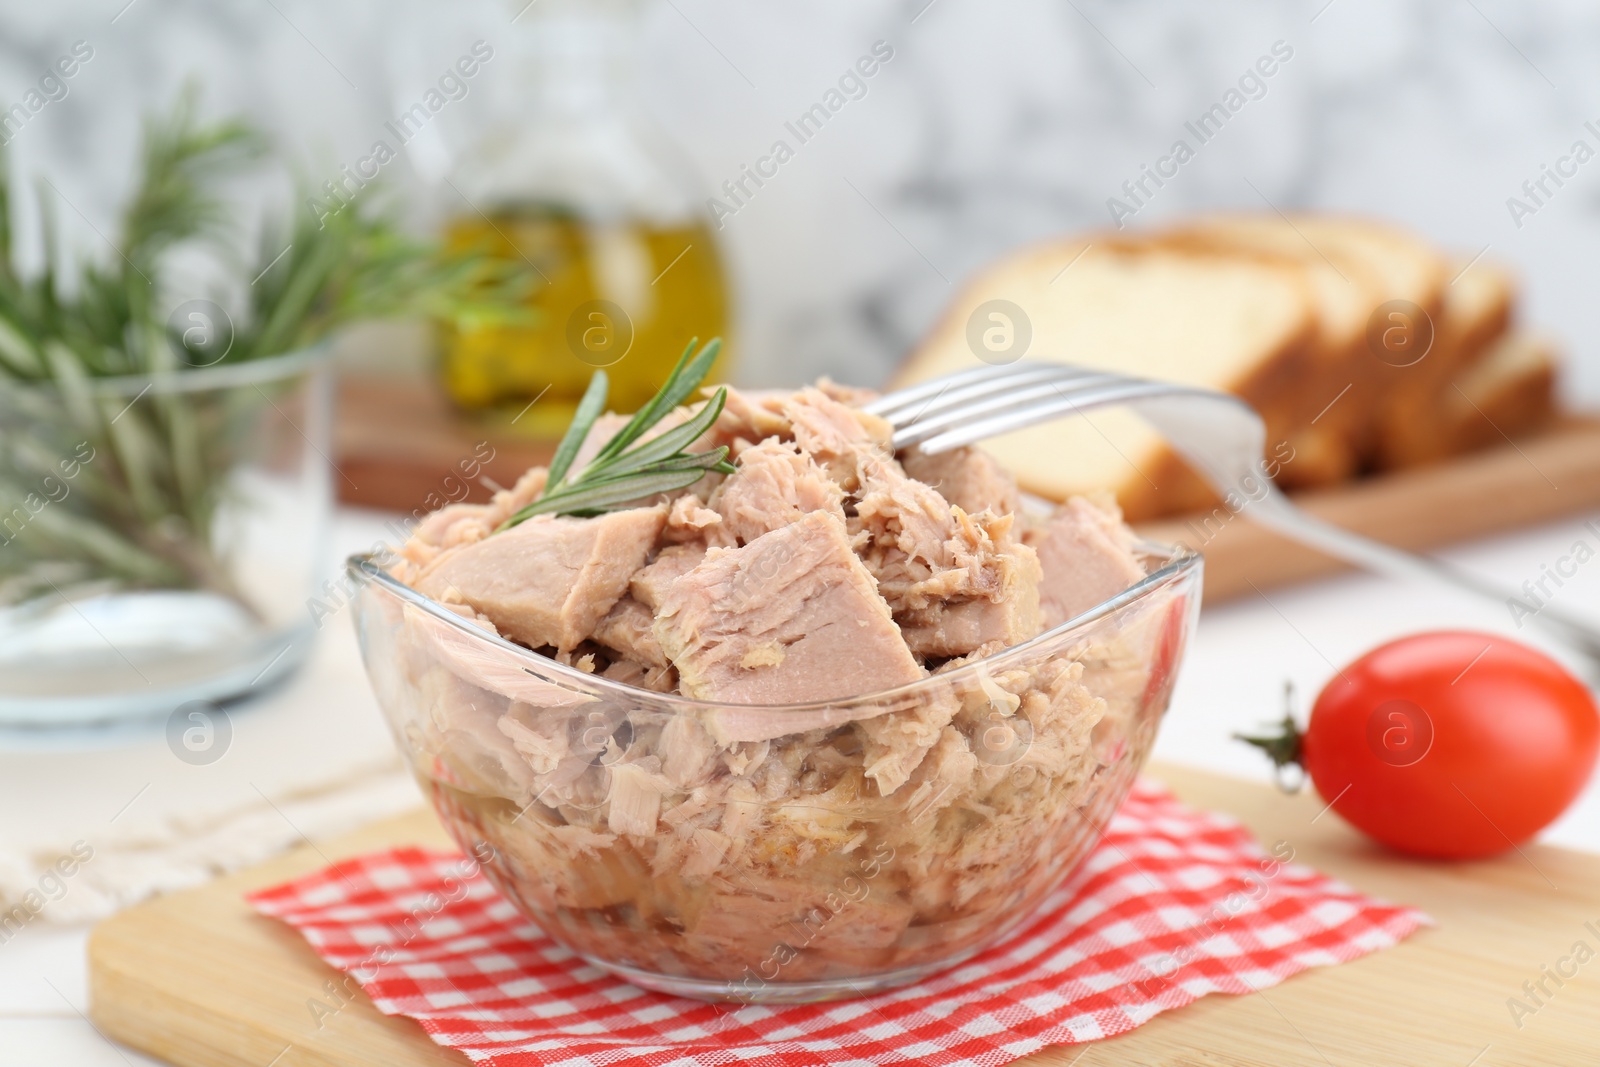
(160, 536)
(742, 852)
(579, 187)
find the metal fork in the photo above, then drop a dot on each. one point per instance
(1219, 434)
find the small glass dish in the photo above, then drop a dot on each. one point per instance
(742, 852)
(160, 536)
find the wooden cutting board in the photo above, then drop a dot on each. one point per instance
(1540, 479)
(400, 446)
(199, 979)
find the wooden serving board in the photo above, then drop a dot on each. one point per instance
(1540, 479)
(401, 446)
(201, 980)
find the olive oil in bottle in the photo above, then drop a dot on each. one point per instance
(626, 295)
(579, 189)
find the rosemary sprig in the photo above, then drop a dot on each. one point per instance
(619, 475)
(143, 513)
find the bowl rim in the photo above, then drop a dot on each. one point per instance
(1181, 563)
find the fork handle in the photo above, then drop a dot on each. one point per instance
(1220, 435)
(1276, 511)
(1224, 439)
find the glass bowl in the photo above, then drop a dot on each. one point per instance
(161, 536)
(744, 852)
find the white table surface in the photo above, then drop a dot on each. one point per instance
(1232, 679)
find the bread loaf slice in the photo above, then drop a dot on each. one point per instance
(1476, 314)
(1412, 274)
(1242, 325)
(1478, 307)
(1509, 392)
(1341, 387)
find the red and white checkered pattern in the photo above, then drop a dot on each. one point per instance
(1174, 904)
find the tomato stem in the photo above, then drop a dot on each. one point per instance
(1283, 746)
(1283, 742)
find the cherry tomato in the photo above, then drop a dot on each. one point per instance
(1452, 744)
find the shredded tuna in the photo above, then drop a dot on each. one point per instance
(548, 581)
(689, 519)
(461, 524)
(791, 617)
(628, 629)
(650, 583)
(634, 799)
(842, 439)
(775, 485)
(849, 395)
(793, 823)
(969, 478)
(1086, 553)
(954, 581)
(752, 416)
(655, 679)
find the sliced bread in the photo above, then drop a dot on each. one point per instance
(1411, 272)
(1239, 324)
(1340, 388)
(1509, 393)
(1477, 312)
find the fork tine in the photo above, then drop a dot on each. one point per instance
(947, 417)
(905, 403)
(963, 396)
(914, 393)
(1068, 401)
(1220, 435)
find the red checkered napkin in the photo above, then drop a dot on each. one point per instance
(1174, 904)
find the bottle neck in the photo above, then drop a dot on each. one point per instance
(572, 128)
(580, 63)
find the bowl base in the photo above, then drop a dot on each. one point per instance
(135, 654)
(757, 990)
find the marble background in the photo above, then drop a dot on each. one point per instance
(995, 123)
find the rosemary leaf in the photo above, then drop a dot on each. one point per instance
(684, 378)
(681, 388)
(583, 420)
(620, 475)
(142, 512)
(73, 381)
(308, 275)
(135, 445)
(667, 444)
(646, 416)
(607, 494)
(59, 530)
(6, 271)
(714, 460)
(16, 351)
